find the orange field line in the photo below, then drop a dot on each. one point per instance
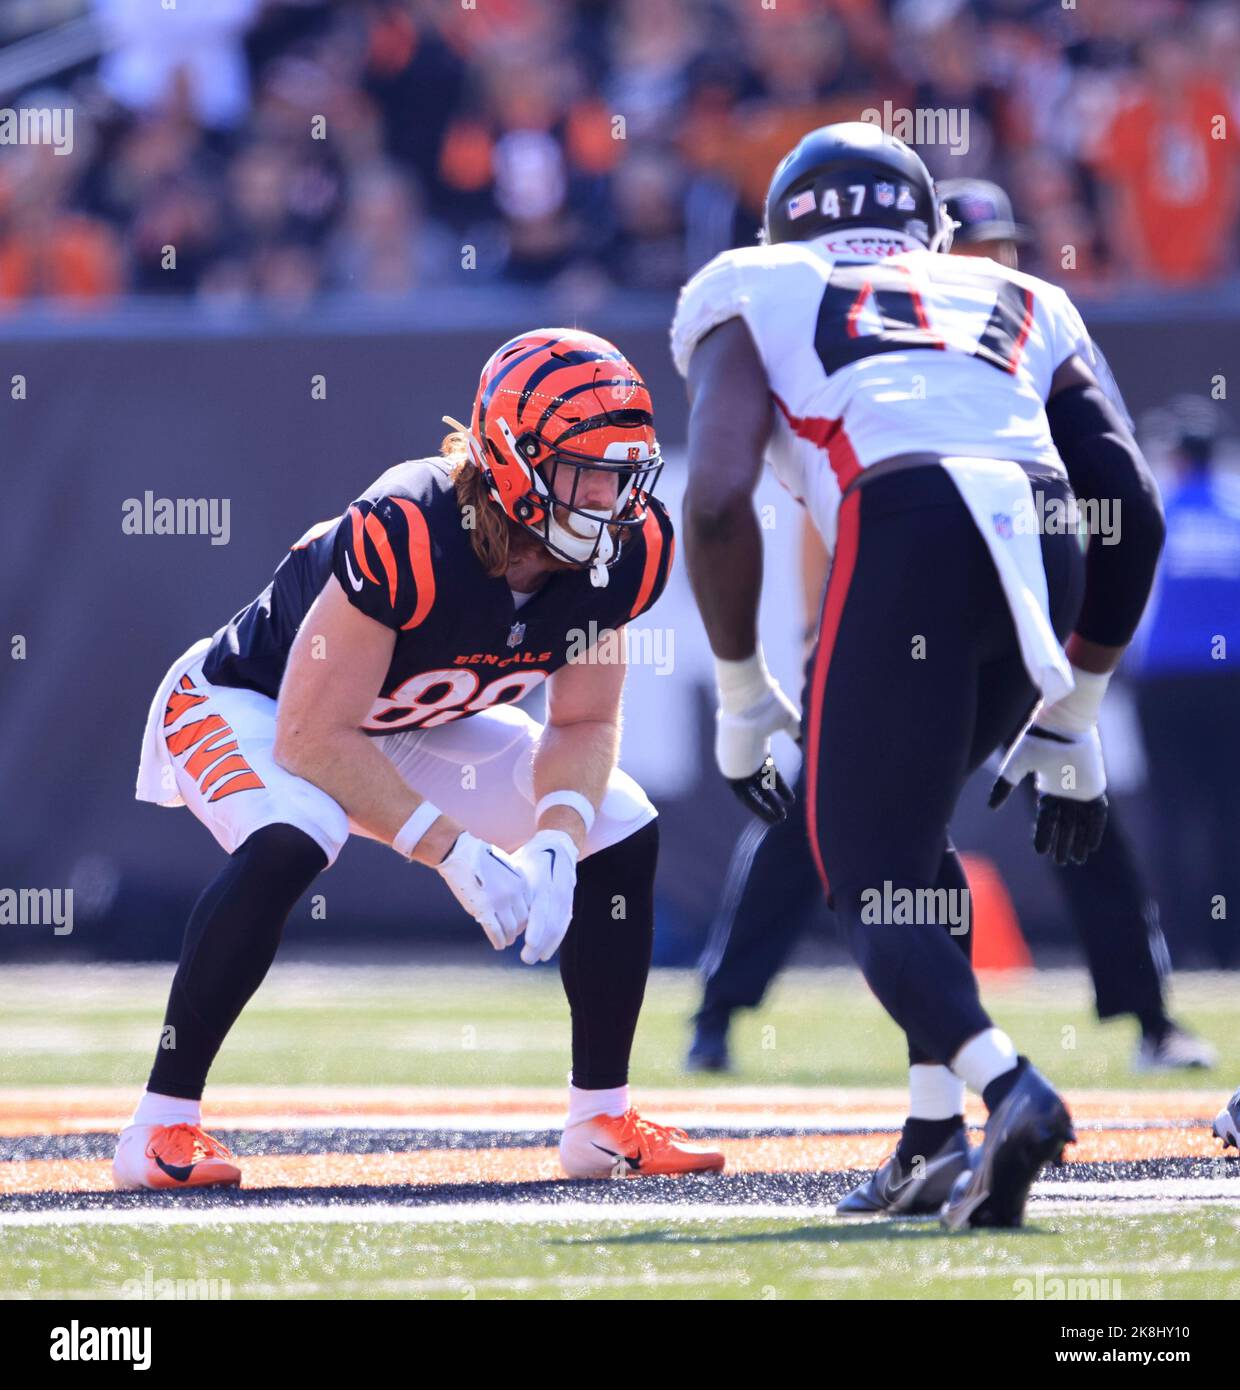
(33, 1112)
(774, 1154)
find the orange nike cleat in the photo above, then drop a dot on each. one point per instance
(627, 1146)
(164, 1157)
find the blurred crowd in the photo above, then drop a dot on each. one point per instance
(284, 148)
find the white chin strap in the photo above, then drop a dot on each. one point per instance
(578, 547)
(596, 550)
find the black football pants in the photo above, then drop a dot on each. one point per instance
(772, 891)
(917, 678)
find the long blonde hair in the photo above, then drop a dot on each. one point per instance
(491, 533)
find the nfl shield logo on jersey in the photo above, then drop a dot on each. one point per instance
(1003, 525)
(516, 634)
(885, 194)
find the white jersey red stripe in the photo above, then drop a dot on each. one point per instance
(874, 347)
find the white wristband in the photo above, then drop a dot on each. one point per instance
(575, 800)
(409, 836)
(1077, 712)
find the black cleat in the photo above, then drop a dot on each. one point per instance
(1030, 1126)
(1227, 1123)
(709, 1049)
(920, 1190)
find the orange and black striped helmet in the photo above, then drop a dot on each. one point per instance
(560, 398)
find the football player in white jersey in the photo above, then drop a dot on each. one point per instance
(939, 421)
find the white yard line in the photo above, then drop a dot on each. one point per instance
(1143, 1189)
(1099, 1199)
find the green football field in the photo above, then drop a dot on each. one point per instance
(504, 1025)
(1190, 1255)
(79, 1037)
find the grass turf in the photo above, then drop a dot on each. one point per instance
(498, 1025)
(1185, 1254)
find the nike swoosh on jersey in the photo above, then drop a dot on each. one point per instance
(353, 579)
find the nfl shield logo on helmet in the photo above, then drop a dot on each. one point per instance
(885, 194)
(801, 204)
(516, 634)
(906, 202)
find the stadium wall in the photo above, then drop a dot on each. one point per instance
(95, 412)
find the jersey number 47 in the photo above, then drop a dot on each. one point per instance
(871, 309)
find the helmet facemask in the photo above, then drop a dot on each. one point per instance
(941, 237)
(556, 409)
(554, 509)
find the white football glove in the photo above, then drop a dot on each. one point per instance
(1067, 765)
(549, 861)
(489, 886)
(752, 708)
(1064, 754)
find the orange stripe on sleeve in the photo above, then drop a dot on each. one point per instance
(653, 534)
(420, 559)
(359, 544)
(374, 529)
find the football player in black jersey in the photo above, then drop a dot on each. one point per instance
(385, 659)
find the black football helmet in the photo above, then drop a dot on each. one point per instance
(853, 174)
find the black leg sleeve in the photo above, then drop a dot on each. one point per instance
(605, 956)
(229, 945)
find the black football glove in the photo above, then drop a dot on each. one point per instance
(1071, 783)
(764, 792)
(752, 708)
